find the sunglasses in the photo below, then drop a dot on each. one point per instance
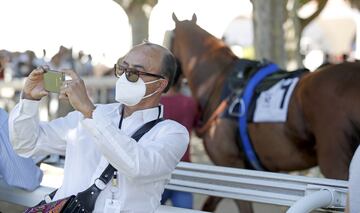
(132, 74)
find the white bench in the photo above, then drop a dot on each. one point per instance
(241, 184)
(25, 198)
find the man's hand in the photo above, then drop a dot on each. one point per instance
(34, 85)
(74, 90)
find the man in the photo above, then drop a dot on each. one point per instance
(14, 170)
(91, 139)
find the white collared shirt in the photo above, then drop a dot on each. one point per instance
(90, 144)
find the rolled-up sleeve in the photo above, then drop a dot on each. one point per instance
(147, 161)
(31, 137)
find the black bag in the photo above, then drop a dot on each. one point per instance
(84, 202)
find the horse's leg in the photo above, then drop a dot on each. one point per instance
(221, 145)
(336, 135)
(211, 203)
(330, 103)
(336, 139)
(244, 206)
(334, 151)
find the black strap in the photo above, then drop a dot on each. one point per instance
(110, 170)
(122, 117)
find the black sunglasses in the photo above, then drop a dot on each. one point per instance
(132, 74)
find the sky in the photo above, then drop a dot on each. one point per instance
(212, 15)
(100, 27)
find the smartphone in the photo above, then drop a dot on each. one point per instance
(53, 80)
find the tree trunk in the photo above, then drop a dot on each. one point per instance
(138, 17)
(269, 17)
(139, 23)
(293, 33)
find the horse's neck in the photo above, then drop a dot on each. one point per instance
(206, 75)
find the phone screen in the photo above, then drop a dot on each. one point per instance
(53, 80)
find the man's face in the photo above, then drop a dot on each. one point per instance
(145, 58)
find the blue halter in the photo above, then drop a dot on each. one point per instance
(245, 100)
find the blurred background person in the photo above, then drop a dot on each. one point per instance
(3, 63)
(83, 64)
(183, 109)
(15, 170)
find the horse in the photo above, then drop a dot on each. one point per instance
(323, 118)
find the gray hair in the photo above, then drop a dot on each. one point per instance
(168, 64)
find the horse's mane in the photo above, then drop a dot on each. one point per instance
(206, 61)
(215, 47)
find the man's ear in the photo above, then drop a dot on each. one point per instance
(163, 85)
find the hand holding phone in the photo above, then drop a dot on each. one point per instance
(34, 85)
(74, 90)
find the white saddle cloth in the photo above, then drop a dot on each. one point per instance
(272, 104)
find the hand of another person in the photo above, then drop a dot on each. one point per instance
(75, 91)
(34, 85)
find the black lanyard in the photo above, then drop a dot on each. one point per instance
(122, 115)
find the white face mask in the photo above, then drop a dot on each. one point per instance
(131, 93)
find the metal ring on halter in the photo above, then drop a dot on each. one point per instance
(241, 107)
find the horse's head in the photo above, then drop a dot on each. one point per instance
(183, 35)
(205, 60)
(195, 48)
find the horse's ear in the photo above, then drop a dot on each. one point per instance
(194, 18)
(175, 18)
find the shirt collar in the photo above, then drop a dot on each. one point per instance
(146, 115)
